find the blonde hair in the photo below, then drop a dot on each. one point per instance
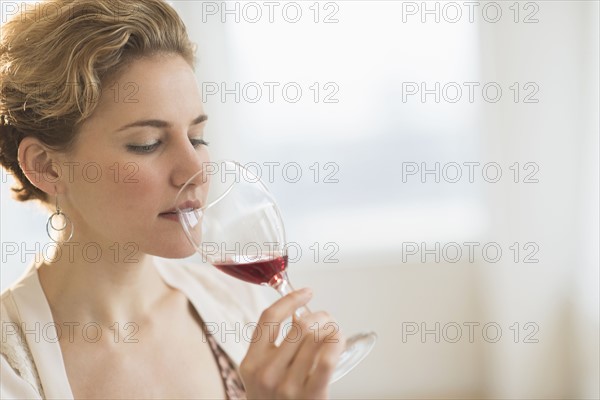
(55, 57)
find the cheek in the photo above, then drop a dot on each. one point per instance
(118, 195)
(134, 188)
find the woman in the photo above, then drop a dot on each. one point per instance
(102, 123)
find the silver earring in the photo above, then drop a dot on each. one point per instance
(52, 224)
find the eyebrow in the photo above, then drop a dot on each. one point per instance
(157, 123)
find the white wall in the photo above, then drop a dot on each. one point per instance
(560, 213)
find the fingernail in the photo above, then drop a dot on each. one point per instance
(306, 292)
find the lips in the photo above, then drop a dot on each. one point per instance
(186, 206)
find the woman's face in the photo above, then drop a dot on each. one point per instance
(131, 157)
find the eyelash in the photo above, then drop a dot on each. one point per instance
(149, 148)
(198, 142)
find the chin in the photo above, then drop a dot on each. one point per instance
(175, 252)
(172, 248)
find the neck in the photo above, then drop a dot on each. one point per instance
(101, 283)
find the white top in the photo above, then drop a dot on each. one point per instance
(31, 363)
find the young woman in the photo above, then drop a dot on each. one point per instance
(102, 123)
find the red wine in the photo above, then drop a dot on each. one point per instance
(254, 272)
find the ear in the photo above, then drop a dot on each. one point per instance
(40, 165)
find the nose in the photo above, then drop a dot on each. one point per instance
(187, 162)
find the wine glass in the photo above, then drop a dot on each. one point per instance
(232, 220)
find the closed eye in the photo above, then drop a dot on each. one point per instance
(143, 149)
(198, 142)
(149, 148)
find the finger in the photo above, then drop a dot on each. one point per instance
(329, 354)
(320, 328)
(293, 374)
(295, 333)
(270, 321)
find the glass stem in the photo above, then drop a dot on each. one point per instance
(282, 284)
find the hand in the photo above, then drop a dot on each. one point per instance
(301, 366)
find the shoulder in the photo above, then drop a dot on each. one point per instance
(233, 295)
(227, 306)
(19, 377)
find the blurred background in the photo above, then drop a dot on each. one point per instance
(437, 167)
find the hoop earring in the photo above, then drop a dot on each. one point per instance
(66, 222)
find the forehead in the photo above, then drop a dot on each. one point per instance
(158, 86)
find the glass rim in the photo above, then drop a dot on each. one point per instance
(182, 215)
